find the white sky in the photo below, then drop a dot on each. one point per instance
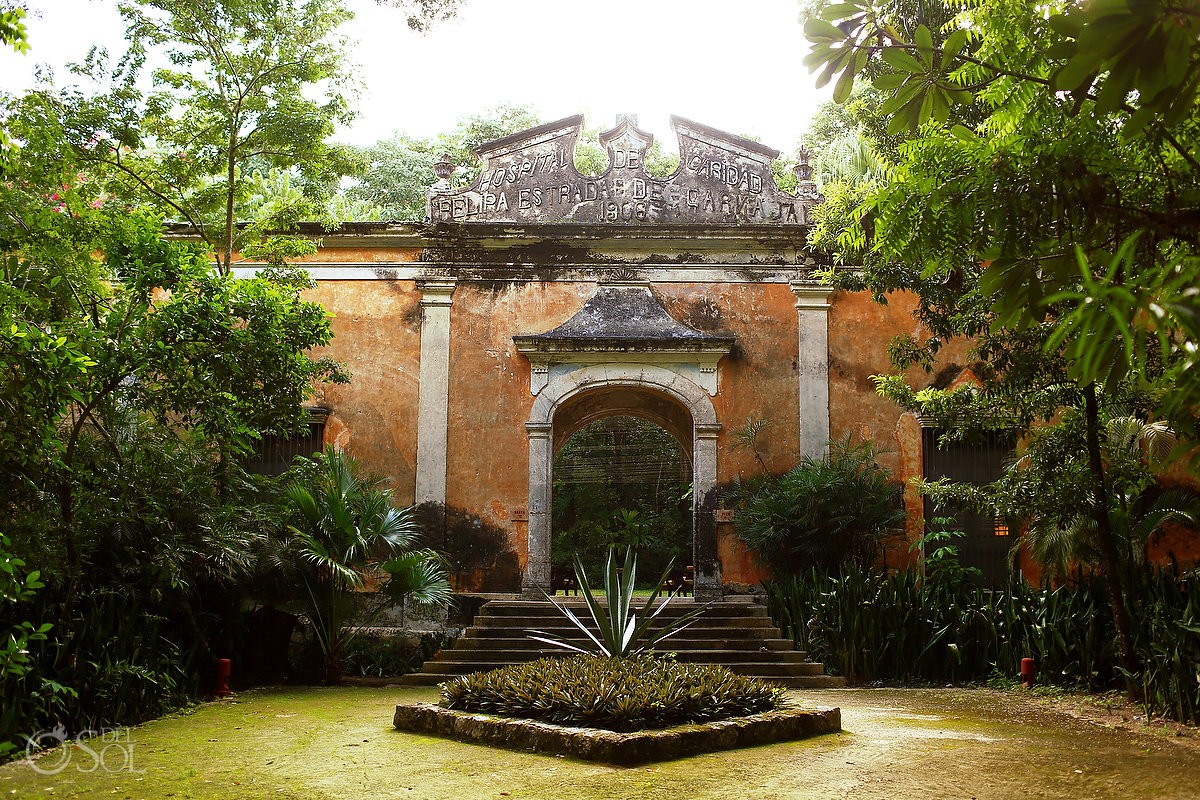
(731, 65)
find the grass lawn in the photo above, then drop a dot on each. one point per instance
(315, 743)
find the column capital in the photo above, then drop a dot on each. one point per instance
(539, 430)
(436, 291)
(811, 295)
(707, 431)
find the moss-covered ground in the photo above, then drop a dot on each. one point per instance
(315, 743)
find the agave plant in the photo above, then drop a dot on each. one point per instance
(624, 630)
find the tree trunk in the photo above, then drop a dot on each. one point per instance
(1107, 541)
(231, 165)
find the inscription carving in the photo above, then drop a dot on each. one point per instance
(531, 177)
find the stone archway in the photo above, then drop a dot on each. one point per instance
(657, 394)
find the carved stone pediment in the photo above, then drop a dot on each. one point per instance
(622, 323)
(530, 177)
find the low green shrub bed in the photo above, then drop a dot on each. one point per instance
(902, 628)
(629, 694)
(389, 656)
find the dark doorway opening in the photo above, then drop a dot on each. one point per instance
(987, 545)
(621, 480)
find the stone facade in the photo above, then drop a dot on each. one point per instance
(479, 341)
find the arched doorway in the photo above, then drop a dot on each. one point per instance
(656, 394)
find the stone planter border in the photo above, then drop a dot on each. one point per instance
(640, 747)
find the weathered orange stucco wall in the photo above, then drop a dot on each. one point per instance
(376, 326)
(487, 454)
(758, 382)
(859, 333)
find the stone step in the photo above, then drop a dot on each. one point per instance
(530, 621)
(564, 628)
(738, 635)
(676, 607)
(444, 666)
(672, 644)
(788, 681)
(521, 655)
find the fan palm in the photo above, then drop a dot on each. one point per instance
(347, 523)
(1138, 508)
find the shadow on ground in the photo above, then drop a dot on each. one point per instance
(338, 743)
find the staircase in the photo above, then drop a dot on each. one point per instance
(738, 635)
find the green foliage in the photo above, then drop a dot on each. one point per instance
(747, 437)
(12, 29)
(627, 694)
(252, 88)
(620, 481)
(347, 526)
(399, 170)
(386, 657)
(423, 15)
(824, 511)
(622, 629)
(17, 587)
(903, 628)
(121, 665)
(1081, 230)
(1042, 204)
(106, 327)
(131, 375)
(12, 33)
(164, 534)
(1047, 494)
(1061, 532)
(941, 553)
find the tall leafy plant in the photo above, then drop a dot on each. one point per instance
(347, 527)
(623, 629)
(824, 511)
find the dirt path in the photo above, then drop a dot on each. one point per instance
(897, 744)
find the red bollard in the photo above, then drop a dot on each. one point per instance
(1028, 672)
(223, 667)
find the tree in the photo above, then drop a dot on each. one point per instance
(399, 170)
(102, 318)
(823, 512)
(1041, 205)
(347, 527)
(131, 374)
(1061, 535)
(12, 33)
(253, 85)
(424, 14)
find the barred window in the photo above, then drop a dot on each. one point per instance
(274, 454)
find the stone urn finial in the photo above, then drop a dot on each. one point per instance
(806, 187)
(442, 168)
(803, 169)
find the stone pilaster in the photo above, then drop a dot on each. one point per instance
(704, 504)
(812, 308)
(541, 458)
(433, 392)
